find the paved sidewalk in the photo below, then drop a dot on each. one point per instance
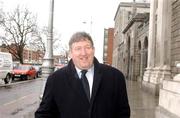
(143, 104)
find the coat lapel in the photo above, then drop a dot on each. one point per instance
(96, 81)
(75, 82)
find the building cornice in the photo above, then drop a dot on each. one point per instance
(129, 4)
(137, 18)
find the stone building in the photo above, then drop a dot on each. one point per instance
(164, 54)
(131, 39)
(148, 50)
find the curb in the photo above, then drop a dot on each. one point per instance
(17, 83)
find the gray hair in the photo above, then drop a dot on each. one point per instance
(80, 36)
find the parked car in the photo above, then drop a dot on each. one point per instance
(6, 67)
(38, 70)
(24, 72)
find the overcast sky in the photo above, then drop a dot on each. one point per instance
(74, 15)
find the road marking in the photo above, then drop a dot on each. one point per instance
(21, 98)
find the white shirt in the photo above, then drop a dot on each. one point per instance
(89, 75)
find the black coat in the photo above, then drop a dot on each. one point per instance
(64, 96)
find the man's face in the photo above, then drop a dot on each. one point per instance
(82, 54)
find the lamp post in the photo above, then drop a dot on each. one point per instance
(48, 61)
(48, 65)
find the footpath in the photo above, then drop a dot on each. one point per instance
(24, 106)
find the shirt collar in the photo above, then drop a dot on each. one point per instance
(79, 70)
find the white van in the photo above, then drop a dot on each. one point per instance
(6, 67)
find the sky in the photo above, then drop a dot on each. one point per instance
(71, 16)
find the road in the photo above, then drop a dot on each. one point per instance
(17, 99)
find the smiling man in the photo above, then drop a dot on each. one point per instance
(82, 50)
(84, 88)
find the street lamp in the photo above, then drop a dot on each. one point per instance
(89, 27)
(48, 65)
(48, 61)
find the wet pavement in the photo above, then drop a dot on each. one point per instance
(143, 104)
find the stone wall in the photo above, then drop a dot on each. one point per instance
(175, 41)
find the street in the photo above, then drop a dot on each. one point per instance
(18, 99)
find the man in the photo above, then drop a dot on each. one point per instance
(84, 88)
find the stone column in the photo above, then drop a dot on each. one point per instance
(164, 37)
(152, 34)
(141, 63)
(151, 41)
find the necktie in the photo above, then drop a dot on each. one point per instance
(85, 83)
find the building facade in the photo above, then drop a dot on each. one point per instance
(162, 76)
(149, 47)
(108, 46)
(130, 23)
(29, 55)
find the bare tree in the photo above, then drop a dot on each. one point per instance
(37, 41)
(41, 36)
(19, 25)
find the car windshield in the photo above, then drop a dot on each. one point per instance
(23, 67)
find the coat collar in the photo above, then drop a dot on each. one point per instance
(75, 82)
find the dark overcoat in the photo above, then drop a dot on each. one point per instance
(64, 96)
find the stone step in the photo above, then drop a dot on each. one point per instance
(169, 97)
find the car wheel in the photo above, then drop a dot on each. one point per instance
(12, 78)
(8, 79)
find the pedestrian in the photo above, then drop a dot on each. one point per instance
(84, 88)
